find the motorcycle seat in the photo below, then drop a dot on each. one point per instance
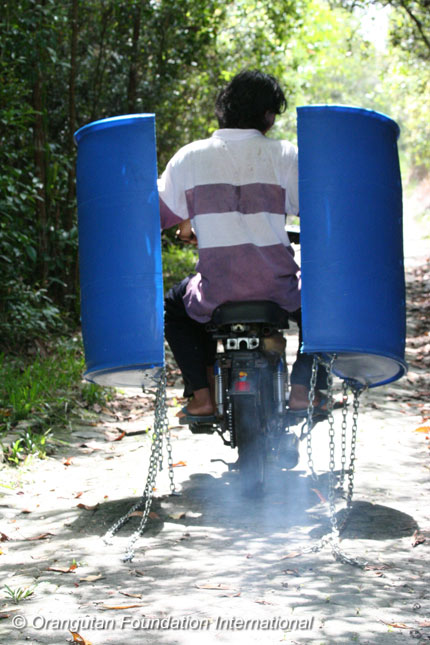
(251, 311)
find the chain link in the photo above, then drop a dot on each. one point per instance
(343, 436)
(160, 431)
(332, 538)
(309, 419)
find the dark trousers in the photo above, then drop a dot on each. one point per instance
(194, 348)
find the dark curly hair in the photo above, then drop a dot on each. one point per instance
(244, 102)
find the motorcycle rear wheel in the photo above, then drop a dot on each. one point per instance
(250, 445)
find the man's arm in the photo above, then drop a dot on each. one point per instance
(185, 233)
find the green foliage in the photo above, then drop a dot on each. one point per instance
(65, 64)
(37, 394)
(38, 384)
(93, 394)
(19, 593)
(178, 262)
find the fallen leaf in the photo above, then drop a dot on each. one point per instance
(42, 536)
(424, 429)
(136, 514)
(153, 515)
(78, 495)
(77, 638)
(398, 625)
(320, 495)
(293, 554)
(87, 507)
(4, 537)
(69, 569)
(179, 463)
(131, 595)
(92, 578)
(68, 462)
(141, 604)
(117, 436)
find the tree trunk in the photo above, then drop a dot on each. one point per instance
(69, 218)
(134, 61)
(39, 141)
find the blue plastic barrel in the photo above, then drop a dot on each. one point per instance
(120, 251)
(353, 290)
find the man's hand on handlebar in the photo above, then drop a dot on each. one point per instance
(185, 233)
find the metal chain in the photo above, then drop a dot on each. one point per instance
(343, 436)
(333, 537)
(309, 419)
(155, 463)
(351, 471)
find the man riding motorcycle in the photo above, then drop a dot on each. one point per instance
(229, 194)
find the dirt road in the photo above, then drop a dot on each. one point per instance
(212, 566)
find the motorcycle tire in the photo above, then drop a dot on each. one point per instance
(250, 445)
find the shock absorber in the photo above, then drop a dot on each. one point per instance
(279, 387)
(219, 390)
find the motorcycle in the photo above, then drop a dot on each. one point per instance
(250, 382)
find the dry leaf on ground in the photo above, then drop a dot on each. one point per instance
(320, 495)
(77, 638)
(119, 607)
(293, 554)
(42, 536)
(397, 625)
(87, 507)
(131, 595)
(92, 578)
(69, 569)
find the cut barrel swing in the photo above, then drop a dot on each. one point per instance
(353, 288)
(120, 251)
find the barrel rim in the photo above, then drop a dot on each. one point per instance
(341, 353)
(109, 122)
(352, 109)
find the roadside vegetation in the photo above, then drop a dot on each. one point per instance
(63, 65)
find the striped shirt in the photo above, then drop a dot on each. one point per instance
(236, 188)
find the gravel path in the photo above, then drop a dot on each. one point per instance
(212, 566)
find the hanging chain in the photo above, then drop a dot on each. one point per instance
(309, 419)
(161, 430)
(351, 471)
(343, 436)
(332, 538)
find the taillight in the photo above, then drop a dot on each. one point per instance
(242, 386)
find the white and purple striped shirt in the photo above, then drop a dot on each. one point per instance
(236, 188)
